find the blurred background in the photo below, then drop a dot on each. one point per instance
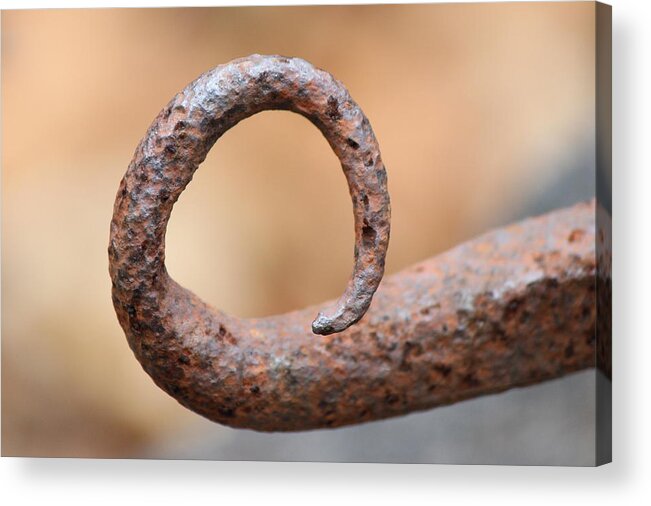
(484, 114)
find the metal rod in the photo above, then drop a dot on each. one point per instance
(513, 307)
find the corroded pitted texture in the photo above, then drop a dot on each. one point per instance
(179, 140)
(513, 307)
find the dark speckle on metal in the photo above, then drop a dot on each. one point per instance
(513, 307)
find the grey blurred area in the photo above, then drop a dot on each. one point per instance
(548, 424)
(575, 181)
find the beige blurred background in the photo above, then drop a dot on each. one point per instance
(484, 114)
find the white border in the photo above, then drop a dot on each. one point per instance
(626, 481)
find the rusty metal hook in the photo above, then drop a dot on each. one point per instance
(183, 133)
(510, 308)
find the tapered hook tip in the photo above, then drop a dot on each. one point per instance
(324, 325)
(344, 315)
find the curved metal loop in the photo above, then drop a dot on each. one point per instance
(466, 323)
(183, 133)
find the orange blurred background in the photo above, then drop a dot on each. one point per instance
(482, 111)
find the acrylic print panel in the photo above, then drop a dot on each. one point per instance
(496, 350)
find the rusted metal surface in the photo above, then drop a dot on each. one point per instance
(183, 133)
(513, 307)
